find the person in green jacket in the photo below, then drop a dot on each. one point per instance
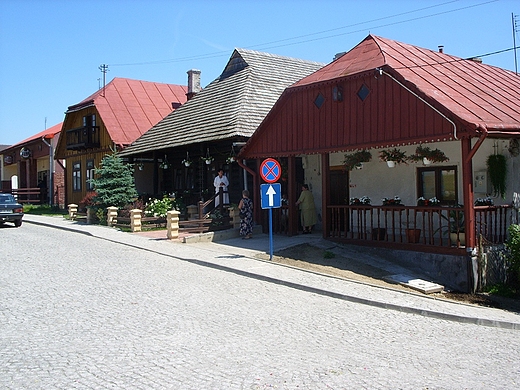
(307, 209)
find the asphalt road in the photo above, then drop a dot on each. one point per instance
(83, 312)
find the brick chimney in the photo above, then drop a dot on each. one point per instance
(193, 83)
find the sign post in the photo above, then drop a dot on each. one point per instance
(270, 194)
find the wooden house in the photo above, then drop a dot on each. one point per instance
(108, 120)
(29, 169)
(384, 95)
(212, 126)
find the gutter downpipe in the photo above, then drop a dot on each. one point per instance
(381, 72)
(51, 170)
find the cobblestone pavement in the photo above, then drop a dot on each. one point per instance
(111, 310)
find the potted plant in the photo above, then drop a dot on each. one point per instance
(187, 162)
(356, 159)
(457, 227)
(393, 156)
(484, 201)
(395, 201)
(428, 202)
(208, 159)
(427, 155)
(497, 170)
(363, 201)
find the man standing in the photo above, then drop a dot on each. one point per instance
(221, 181)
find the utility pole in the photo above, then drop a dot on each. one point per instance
(104, 69)
(516, 27)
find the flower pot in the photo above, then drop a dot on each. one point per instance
(426, 161)
(359, 166)
(461, 236)
(208, 162)
(413, 235)
(187, 164)
(391, 164)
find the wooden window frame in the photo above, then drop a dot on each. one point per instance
(438, 177)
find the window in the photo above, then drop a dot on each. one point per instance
(76, 176)
(439, 182)
(90, 175)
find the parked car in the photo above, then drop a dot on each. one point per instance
(10, 210)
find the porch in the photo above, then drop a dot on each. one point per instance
(428, 229)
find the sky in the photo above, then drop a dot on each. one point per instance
(51, 50)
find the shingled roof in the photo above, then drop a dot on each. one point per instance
(232, 105)
(128, 108)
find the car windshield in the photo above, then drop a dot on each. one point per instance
(7, 198)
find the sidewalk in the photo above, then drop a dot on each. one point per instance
(232, 254)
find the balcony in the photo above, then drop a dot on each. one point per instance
(83, 138)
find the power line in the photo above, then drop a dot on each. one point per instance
(265, 46)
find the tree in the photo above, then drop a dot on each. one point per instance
(114, 183)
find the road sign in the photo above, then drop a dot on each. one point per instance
(270, 170)
(271, 196)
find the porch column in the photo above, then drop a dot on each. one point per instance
(292, 196)
(325, 194)
(467, 193)
(469, 214)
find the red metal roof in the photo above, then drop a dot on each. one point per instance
(478, 94)
(422, 96)
(49, 133)
(129, 108)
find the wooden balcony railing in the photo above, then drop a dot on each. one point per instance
(83, 138)
(437, 229)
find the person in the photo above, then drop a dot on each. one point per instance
(285, 213)
(246, 215)
(221, 181)
(307, 209)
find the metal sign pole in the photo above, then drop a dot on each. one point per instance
(270, 234)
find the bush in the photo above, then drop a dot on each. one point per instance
(159, 207)
(513, 244)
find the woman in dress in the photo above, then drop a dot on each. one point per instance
(307, 209)
(246, 215)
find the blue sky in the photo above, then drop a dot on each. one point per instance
(51, 50)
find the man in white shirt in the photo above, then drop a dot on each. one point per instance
(221, 181)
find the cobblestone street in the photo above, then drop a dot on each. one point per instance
(84, 312)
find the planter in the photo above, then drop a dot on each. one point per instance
(461, 236)
(379, 234)
(413, 235)
(426, 161)
(391, 164)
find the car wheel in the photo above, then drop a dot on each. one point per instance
(18, 223)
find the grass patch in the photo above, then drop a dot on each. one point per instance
(502, 290)
(329, 255)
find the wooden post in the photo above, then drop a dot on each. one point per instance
(73, 211)
(111, 215)
(234, 215)
(172, 224)
(325, 193)
(135, 220)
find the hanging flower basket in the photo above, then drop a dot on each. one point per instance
(187, 162)
(428, 155)
(230, 160)
(356, 159)
(395, 156)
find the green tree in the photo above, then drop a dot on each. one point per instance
(114, 183)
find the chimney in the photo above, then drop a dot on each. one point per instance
(193, 82)
(338, 55)
(441, 49)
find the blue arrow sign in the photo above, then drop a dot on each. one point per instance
(271, 196)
